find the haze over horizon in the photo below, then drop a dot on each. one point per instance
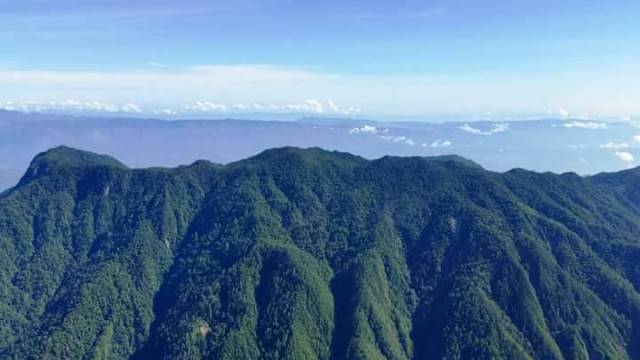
(408, 59)
(582, 146)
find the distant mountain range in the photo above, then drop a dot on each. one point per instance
(311, 254)
(582, 146)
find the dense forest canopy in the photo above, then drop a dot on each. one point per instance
(309, 254)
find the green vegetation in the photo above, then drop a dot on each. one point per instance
(309, 254)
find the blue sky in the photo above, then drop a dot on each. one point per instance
(404, 58)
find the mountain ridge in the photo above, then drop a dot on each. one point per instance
(298, 253)
(143, 143)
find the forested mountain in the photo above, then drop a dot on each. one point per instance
(309, 254)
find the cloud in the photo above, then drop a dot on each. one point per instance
(332, 106)
(314, 105)
(563, 113)
(399, 139)
(612, 145)
(199, 107)
(131, 108)
(156, 87)
(636, 138)
(498, 128)
(205, 107)
(71, 105)
(165, 112)
(367, 129)
(590, 125)
(559, 112)
(277, 88)
(308, 106)
(624, 156)
(439, 144)
(470, 129)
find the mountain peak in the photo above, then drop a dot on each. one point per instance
(66, 157)
(311, 155)
(455, 159)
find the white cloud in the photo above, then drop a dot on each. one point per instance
(559, 112)
(636, 138)
(166, 112)
(308, 106)
(157, 87)
(440, 144)
(500, 128)
(131, 108)
(71, 105)
(612, 145)
(624, 156)
(205, 107)
(399, 139)
(199, 107)
(366, 129)
(470, 129)
(278, 88)
(563, 113)
(332, 106)
(497, 128)
(314, 105)
(590, 125)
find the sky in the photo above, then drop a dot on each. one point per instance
(474, 59)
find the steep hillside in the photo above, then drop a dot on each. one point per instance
(309, 254)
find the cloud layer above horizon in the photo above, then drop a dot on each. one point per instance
(265, 88)
(406, 58)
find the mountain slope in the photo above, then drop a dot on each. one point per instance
(308, 254)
